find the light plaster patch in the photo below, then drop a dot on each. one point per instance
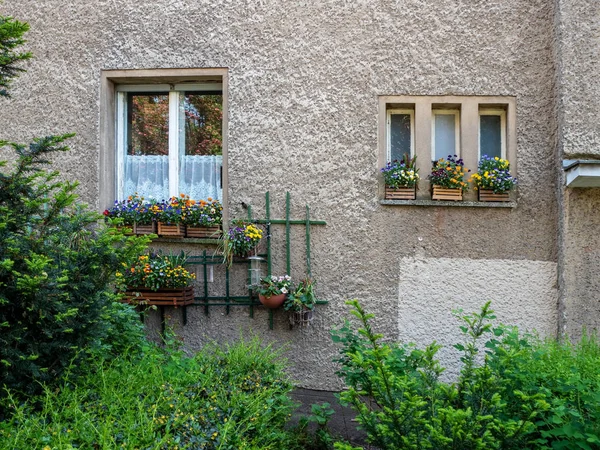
(523, 293)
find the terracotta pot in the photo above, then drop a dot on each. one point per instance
(273, 302)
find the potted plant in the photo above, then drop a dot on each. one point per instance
(135, 213)
(447, 178)
(157, 279)
(272, 290)
(120, 215)
(401, 178)
(301, 303)
(169, 215)
(493, 179)
(203, 219)
(239, 240)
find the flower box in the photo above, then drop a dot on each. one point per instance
(401, 193)
(144, 229)
(161, 297)
(203, 232)
(488, 195)
(171, 230)
(442, 193)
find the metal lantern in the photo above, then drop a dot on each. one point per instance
(256, 269)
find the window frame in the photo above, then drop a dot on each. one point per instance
(411, 114)
(109, 80)
(446, 112)
(174, 91)
(493, 112)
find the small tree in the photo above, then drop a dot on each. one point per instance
(11, 37)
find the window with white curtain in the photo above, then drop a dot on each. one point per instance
(169, 140)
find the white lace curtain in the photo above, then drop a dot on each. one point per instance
(199, 177)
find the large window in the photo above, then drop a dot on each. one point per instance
(169, 140)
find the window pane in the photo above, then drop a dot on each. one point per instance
(400, 136)
(148, 124)
(445, 135)
(490, 135)
(146, 161)
(203, 124)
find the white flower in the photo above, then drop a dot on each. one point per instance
(284, 290)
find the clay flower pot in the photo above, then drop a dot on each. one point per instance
(273, 302)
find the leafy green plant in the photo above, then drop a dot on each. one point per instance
(11, 37)
(239, 240)
(302, 297)
(57, 269)
(155, 271)
(273, 285)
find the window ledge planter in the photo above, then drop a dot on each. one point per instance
(442, 193)
(160, 297)
(171, 230)
(400, 193)
(213, 232)
(488, 195)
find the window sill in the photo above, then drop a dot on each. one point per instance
(463, 204)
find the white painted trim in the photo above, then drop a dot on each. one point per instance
(217, 87)
(493, 112)
(121, 125)
(446, 112)
(174, 143)
(388, 130)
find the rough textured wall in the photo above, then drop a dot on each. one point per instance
(304, 80)
(578, 45)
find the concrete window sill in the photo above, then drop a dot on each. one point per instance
(461, 204)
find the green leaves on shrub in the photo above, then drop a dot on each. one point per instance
(513, 392)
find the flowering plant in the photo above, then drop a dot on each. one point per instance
(272, 285)
(155, 271)
(449, 173)
(403, 173)
(203, 213)
(239, 240)
(494, 174)
(301, 298)
(132, 210)
(171, 211)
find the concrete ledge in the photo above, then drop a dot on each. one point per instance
(461, 204)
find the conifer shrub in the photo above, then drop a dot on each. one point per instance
(57, 266)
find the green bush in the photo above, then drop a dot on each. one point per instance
(234, 397)
(57, 267)
(522, 393)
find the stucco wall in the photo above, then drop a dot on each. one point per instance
(304, 81)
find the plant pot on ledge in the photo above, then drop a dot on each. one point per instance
(160, 297)
(272, 302)
(400, 193)
(203, 232)
(450, 194)
(144, 229)
(488, 195)
(176, 230)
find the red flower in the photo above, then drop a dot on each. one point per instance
(106, 213)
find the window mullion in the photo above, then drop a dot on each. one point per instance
(120, 144)
(173, 143)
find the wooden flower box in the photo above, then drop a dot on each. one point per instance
(401, 193)
(171, 230)
(144, 229)
(161, 297)
(203, 232)
(488, 195)
(442, 193)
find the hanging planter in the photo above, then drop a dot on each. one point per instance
(160, 297)
(442, 193)
(273, 301)
(301, 319)
(488, 195)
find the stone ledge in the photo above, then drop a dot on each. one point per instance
(462, 204)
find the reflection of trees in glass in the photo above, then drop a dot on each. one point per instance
(203, 124)
(148, 124)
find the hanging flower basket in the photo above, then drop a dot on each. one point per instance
(171, 229)
(273, 301)
(301, 319)
(488, 195)
(160, 297)
(400, 193)
(203, 232)
(442, 193)
(144, 229)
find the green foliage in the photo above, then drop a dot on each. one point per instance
(522, 393)
(234, 397)
(11, 37)
(301, 298)
(155, 271)
(56, 270)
